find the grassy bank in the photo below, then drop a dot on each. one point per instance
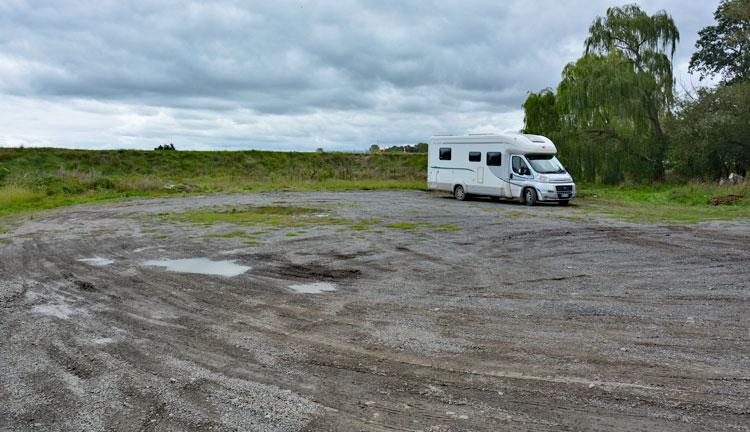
(681, 203)
(35, 179)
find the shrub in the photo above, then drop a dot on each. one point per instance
(101, 183)
(55, 185)
(4, 173)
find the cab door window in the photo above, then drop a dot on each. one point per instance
(520, 167)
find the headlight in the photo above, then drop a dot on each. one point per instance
(544, 179)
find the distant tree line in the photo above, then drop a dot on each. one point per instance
(169, 146)
(616, 117)
(416, 148)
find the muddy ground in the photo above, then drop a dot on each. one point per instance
(486, 316)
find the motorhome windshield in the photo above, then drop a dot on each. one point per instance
(545, 164)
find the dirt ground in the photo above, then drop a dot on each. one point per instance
(483, 316)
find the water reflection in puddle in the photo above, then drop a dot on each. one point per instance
(97, 261)
(55, 310)
(313, 288)
(200, 266)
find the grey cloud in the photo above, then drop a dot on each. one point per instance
(332, 72)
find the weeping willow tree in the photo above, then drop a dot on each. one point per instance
(611, 103)
(541, 115)
(648, 43)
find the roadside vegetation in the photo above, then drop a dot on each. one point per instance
(670, 203)
(38, 179)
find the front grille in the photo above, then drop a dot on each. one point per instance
(565, 188)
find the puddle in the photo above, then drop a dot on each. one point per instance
(97, 261)
(200, 266)
(60, 311)
(313, 288)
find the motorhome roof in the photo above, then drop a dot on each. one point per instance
(508, 136)
(525, 143)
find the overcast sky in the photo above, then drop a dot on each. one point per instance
(288, 75)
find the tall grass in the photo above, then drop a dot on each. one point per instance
(14, 195)
(47, 178)
(684, 203)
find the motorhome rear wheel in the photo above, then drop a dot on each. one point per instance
(459, 193)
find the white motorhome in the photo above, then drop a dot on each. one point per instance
(514, 166)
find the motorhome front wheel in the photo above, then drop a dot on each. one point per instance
(530, 196)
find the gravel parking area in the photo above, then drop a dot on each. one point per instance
(399, 311)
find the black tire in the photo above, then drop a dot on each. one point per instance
(529, 196)
(459, 193)
(564, 202)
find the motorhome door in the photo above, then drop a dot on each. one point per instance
(519, 174)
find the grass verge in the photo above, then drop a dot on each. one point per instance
(688, 203)
(41, 179)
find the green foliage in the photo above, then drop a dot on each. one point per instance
(540, 114)
(601, 98)
(417, 148)
(4, 173)
(724, 48)
(685, 203)
(643, 47)
(644, 40)
(713, 132)
(182, 166)
(56, 177)
(712, 127)
(607, 115)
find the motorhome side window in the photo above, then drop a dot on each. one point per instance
(475, 156)
(445, 153)
(494, 158)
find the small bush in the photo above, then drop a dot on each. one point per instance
(4, 173)
(56, 185)
(101, 183)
